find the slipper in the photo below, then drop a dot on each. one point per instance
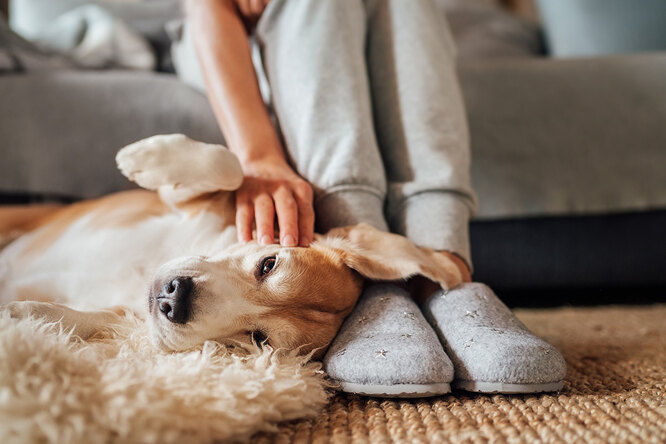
(492, 351)
(386, 348)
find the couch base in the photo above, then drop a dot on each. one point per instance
(588, 253)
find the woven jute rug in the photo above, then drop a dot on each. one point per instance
(615, 391)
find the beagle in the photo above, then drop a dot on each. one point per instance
(169, 253)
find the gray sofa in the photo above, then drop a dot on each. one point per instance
(568, 161)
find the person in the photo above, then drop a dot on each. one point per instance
(371, 127)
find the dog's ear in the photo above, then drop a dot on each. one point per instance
(385, 256)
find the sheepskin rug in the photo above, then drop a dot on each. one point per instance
(118, 388)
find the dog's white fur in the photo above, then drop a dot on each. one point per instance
(74, 263)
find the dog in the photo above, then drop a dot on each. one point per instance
(168, 253)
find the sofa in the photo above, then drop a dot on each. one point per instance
(568, 155)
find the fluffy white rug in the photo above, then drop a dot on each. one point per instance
(119, 388)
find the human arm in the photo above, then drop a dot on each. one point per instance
(271, 187)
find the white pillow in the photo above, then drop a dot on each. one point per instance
(147, 17)
(582, 28)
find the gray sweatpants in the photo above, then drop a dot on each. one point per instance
(368, 103)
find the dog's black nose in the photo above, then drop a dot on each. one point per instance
(174, 299)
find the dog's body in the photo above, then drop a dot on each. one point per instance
(175, 253)
(89, 254)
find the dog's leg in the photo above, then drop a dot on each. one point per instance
(83, 323)
(179, 168)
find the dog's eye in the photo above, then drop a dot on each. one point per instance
(259, 338)
(266, 265)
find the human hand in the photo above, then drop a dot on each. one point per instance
(250, 10)
(272, 188)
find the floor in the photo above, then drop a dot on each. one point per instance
(615, 391)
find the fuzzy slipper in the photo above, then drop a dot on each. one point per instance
(386, 348)
(492, 351)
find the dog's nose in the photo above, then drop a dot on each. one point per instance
(174, 299)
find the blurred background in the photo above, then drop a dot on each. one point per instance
(566, 102)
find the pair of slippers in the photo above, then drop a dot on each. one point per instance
(465, 337)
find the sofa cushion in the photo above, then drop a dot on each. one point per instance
(482, 29)
(548, 137)
(561, 137)
(61, 130)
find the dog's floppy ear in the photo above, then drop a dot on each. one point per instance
(385, 256)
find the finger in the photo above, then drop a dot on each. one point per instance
(287, 216)
(244, 217)
(306, 215)
(257, 7)
(245, 7)
(306, 218)
(264, 215)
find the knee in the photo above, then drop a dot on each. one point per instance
(310, 13)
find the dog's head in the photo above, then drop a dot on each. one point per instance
(286, 297)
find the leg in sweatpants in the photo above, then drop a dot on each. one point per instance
(420, 123)
(315, 61)
(313, 54)
(422, 134)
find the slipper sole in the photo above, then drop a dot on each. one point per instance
(506, 388)
(397, 390)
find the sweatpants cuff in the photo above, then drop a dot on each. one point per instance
(349, 207)
(436, 220)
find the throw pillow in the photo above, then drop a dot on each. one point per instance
(597, 27)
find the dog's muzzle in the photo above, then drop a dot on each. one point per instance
(174, 300)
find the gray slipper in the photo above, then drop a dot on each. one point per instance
(492, 351)
(386, 348)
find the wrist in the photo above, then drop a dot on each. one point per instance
(251, 157)
(258, 151)
(259, 163)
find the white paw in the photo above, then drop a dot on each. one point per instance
(26, 309)
(82, 324)
(175, 161)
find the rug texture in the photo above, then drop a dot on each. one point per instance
(119, 388)
(614, 392)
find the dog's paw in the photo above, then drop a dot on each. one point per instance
(175, 162)
(26, 309)
(80, 323)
